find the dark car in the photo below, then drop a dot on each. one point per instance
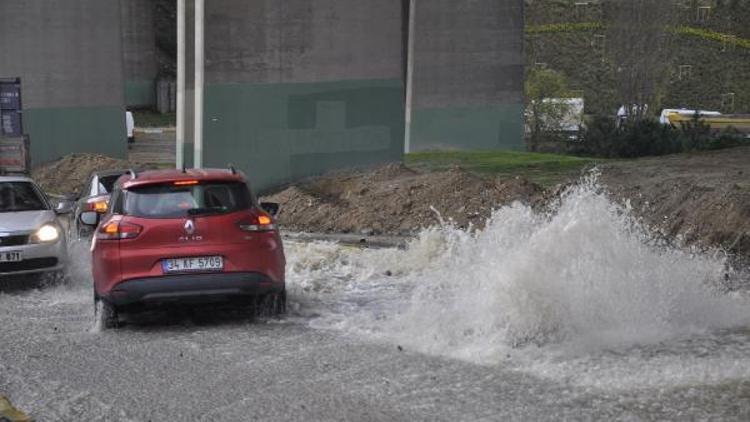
(174, 236)
(95, 198)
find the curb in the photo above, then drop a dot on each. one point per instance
(352, 239)
(153, 130)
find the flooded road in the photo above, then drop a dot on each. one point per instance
(572, 315)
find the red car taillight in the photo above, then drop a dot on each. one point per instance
(117, 230)
(261, 223)
(98, 204)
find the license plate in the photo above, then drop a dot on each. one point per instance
(12, 256)
(193, 264)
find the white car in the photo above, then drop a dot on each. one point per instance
(32, 239)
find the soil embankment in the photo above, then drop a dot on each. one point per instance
(395, 200)
(702, 198)
(69, 174)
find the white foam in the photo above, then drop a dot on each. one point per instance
(583, 279)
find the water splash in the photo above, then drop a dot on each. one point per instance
(585, 276)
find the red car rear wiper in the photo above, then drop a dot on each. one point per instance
(207, 210)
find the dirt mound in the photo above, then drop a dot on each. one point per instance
(702, 199)
(69, 174)
(395, 200)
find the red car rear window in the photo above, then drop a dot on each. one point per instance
(173, 201)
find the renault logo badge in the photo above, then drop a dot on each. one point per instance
(189, 227)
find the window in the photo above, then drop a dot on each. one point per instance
(90, 188)
(20, 196)
(728, 42)
(685, 72)
(727, 102)
(599, 42)
(704, 12)
(107, 183)
(170, 201)
(582, 10)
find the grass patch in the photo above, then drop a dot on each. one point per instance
(147, 118)
(544, 169)
(564, 27)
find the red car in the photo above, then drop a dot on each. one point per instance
(185, 236)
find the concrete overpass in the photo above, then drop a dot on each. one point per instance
(293, 87)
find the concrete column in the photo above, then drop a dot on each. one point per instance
(180, 150)
(199, 77)
(410, 75)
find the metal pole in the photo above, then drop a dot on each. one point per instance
(199, 63)
(410, 75)
(180, 147)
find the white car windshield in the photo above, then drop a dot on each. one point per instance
(20, 196)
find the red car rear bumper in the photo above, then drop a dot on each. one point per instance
(191, 288)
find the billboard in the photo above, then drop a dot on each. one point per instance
(14, 155)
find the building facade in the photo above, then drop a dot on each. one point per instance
(68, 57)
(292, 88)
(468, 75)
(140, 64)
(295, 88)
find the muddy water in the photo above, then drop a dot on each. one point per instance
(576, 313)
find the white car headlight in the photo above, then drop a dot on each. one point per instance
(47, 233)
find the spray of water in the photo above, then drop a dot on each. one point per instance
(585, 276)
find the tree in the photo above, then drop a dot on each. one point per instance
(165, 22)
(638, 44)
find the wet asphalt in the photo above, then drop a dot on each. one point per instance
(222, 364)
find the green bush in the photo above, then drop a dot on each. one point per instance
(637, 138)
(696, 135)
(647, 137)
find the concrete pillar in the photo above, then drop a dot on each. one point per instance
(468, 75)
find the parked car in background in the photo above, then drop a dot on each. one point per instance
(172, 236)
(94, 197)
(32, 239)
(563, 116)
(667, 112)
(717, 122)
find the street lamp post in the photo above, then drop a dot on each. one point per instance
(199, 75)
(410, 75)
(180, 135)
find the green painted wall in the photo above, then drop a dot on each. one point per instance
(140, 93)
(55, 132)
(488, 127)
(282, 132)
